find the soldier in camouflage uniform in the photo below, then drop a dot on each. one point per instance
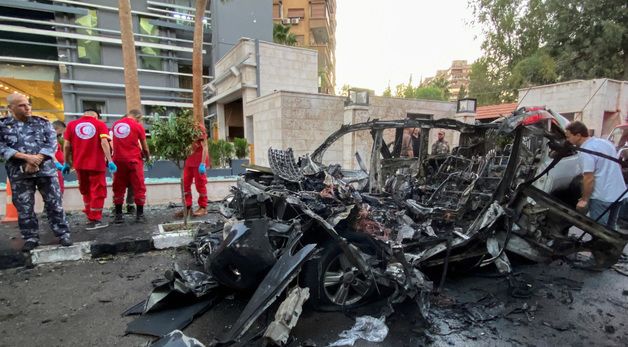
(440, 146)
(28, 146)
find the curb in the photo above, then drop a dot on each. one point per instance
(92, 249)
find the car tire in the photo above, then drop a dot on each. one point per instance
(334, 283)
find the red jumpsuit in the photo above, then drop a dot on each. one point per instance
(127, 155)
(190, 172)
(59, 158)
(84, 135)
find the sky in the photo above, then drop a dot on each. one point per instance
(382, 41)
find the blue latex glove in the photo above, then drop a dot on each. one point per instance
(112, 167)
(59, 166)
(202, 169)
(65, 169)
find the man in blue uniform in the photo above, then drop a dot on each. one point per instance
(28, 146)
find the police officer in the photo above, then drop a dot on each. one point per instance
(28, 145)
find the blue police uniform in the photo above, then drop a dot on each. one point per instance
(34, 136)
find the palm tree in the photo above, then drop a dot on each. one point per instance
(197, 62)
(282, 35)
(131, 81)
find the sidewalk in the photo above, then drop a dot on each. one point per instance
(124, 238)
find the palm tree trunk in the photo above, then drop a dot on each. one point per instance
(197, 62)
(131, 82)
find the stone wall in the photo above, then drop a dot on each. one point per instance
(287, 68)
(297, 120)
(267, 124)
(587, 100)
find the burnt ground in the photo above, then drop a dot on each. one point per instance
(79, 304)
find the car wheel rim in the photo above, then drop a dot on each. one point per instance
(343, 284)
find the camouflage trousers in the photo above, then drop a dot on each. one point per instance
(24, 201)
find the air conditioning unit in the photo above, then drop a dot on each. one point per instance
(285, 21)
(295, 20)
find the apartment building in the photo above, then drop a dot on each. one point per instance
(313, 22)
(457, 75)
(67, 55)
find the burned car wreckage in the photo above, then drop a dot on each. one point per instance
(509, 187)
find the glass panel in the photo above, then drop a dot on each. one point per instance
(88, 50)
(150, 56)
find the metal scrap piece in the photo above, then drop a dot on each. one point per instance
(287, 316)
(282, 273)
(283, 165)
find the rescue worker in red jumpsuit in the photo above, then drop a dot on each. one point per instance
(59, 127)
(195, 169)
(86, 146)
(129, 143)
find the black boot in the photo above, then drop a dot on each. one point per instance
(139, 218)
(118, 218)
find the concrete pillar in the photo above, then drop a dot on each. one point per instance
(222, 123)
(348, 141)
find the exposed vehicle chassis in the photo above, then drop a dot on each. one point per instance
(509, 187)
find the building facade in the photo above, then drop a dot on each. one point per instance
(457, 75)
(67, 55)
(313, 22)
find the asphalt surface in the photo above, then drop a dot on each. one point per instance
(80, 304)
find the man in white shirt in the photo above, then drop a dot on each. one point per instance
(602, 180)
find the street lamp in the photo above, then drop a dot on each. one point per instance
(466, 105)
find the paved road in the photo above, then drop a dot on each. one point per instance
(79, 304)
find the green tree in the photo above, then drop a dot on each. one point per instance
(387, 92)
(400, 90)
(589, 38)
(172, 139)
(485, 85)
(537, 69)
(344, 90)
(462, 93)
(429, 93)
(408, 92)
(282, 35)
(585, 38)
(441, 83)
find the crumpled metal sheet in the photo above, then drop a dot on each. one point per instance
(287, 316)
(161, 322)
(177, 338)
(282, 273)
(179, 283)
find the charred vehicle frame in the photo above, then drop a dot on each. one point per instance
(509, 187)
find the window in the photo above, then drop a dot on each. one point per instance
(276, 11)
(149, 57)
(97, 105)
(296, 13)
(88, 50)
(318, 10)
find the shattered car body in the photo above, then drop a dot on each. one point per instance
(508, 187)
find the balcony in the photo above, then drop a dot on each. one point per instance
(320, 25)
(324, 58)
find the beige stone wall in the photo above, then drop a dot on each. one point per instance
(297, 120)
(287, 68)
(267, 124)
